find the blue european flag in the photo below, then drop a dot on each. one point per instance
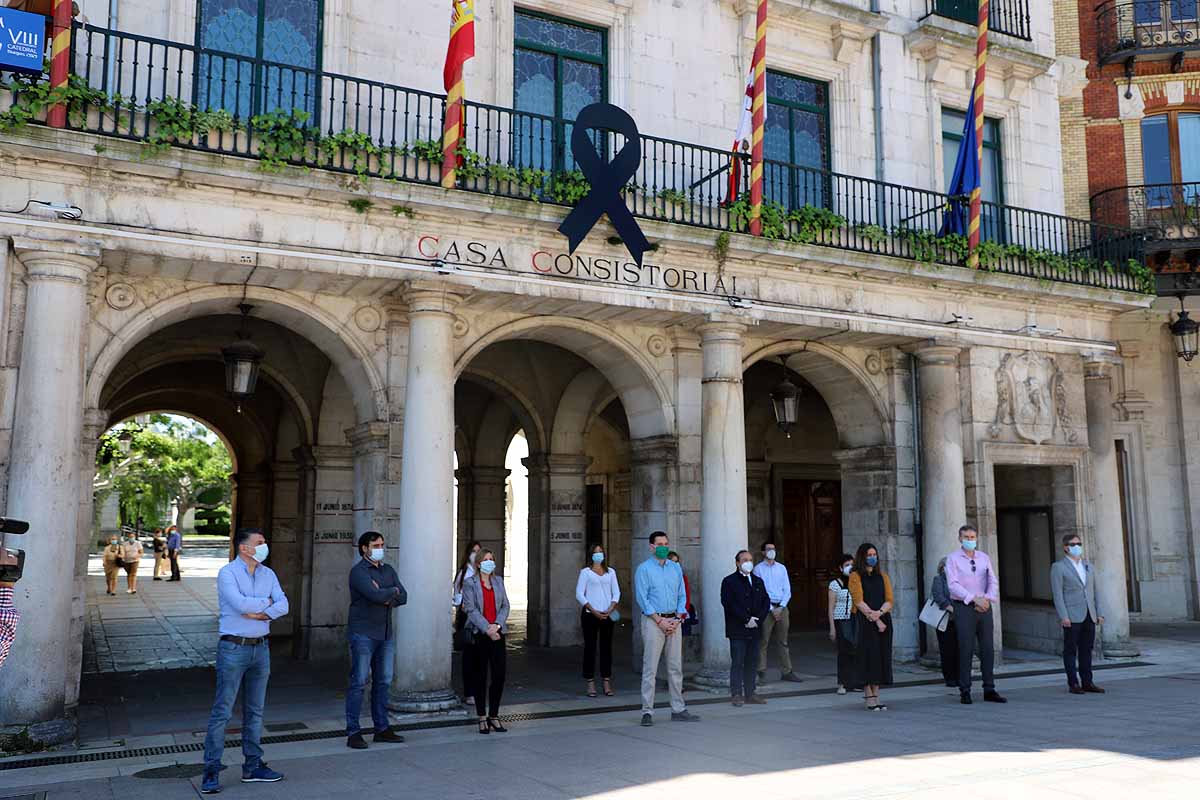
(965, 179)
(22, 45)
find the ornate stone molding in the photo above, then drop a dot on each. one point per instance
(1031, 396)
(368, 437)
(654, 450)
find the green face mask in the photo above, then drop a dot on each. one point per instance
(661, 551)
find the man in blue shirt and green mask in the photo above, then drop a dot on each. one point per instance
(658, 585)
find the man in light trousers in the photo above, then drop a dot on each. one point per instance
(658, 586)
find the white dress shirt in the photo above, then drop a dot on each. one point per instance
(597, 591)
(1077, 563)
(775, 576)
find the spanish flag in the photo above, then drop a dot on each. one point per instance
(741, 143)
(461, 48)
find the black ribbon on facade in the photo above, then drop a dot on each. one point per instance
(606, 178)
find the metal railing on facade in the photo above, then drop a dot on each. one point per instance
(164, 93)
(1004, 16)
(1145, 27)
(1167, 213)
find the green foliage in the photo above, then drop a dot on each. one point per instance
(356, 150)
(674, 196)
(403, 211)
(22, 742)
(360, 204)
(427, 150)
(33, 96)
(1143, 275)
(721, 249)
(875, 234)
(170, 461)
(283, 136)
(213, 521)
(813, 223)
(174, 123)
(567, 188)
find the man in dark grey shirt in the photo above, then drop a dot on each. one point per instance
(374, 591)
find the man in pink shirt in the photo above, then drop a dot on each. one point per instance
(974, 587)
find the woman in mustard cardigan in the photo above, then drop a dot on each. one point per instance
(871, 593)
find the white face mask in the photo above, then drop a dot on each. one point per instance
(471, 558)
(747, 567)
(846, 570)
(260, 552)
(770, 555)
(377, 553)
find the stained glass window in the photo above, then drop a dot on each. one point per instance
(259, 55)
(797, 135)
(558, 68)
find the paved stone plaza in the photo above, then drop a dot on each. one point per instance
(1142, 739)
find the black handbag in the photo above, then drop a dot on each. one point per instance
(848, 629)
(463, 638)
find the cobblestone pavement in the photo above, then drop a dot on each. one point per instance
(1141, 739)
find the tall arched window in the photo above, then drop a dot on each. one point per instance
(259, 55)
(1171, 155)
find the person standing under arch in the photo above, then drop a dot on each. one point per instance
(598, 593)
(658, 586)
(486, 604)
(871, 593)
(466, 571)
(775, 627)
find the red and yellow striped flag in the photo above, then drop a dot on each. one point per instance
(60, 59)
(461, 48)
(758, 119)
(976, 215)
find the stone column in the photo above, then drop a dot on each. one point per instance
(423, 559)
(538, 616)
(1107, 548)
(723, 481)
(565, 546)
(488, 488)
(95, 421)
(43, 486)
(943, 481)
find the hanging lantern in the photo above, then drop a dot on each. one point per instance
(785, 398)
(1186, 332)
(242, 360)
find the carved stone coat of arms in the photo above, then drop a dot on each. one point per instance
(1031, 396)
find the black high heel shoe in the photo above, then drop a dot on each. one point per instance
(494, 724)
(483, 727)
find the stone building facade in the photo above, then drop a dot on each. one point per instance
(1131, 135)
(409, 331)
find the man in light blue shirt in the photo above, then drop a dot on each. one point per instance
(775, 626)
(658, 586)
(250, 597)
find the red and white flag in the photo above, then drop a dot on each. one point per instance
(741, 141)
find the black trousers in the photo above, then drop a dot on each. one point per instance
(173, 555)
(596, 631)
(948, 650)
(743, 666)
(1079, 640)
(973, 628)
(489, 657)
(845, 654)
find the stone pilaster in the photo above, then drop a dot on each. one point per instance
(376, 492)
(651, 503)
(723, 479)
(565, 475)
(487, 487)
(423, 559)
(1107, 548)
(44, 483)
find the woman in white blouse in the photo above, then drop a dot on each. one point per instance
(841, 628)
(598, 594)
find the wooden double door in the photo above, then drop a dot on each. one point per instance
(810, 542)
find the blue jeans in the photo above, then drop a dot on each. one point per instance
(374, 655)
(239, 668)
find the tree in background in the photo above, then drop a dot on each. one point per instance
(172, 461)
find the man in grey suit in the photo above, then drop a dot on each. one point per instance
(1073, 583)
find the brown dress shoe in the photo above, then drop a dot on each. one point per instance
(738, 701)
(1092, 688)
(1076, 690)
(756, 700)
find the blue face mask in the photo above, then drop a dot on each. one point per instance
(1076, 550)
(969, 544)
(872, 560)
(487, 567)
(597, 558)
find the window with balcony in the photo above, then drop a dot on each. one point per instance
(559, 68)
(258, 56)
(992, 174)
(796, 140)
(1146, 29)
(1171, 158)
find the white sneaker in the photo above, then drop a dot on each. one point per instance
(841, 690)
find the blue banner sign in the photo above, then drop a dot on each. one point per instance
(22, 41)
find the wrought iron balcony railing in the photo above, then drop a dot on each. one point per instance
(1004, 16)
(1167, 213)
(167, 94)
(1146, 28)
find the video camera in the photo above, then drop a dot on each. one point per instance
(11, 573)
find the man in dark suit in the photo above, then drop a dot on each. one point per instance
(744, 598)
(1073, 585)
